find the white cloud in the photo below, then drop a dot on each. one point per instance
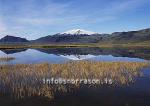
(59, 14)
(2, 27)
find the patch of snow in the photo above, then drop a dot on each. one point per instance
(79, 32)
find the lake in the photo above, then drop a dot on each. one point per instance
(61, 55)
(135, 92)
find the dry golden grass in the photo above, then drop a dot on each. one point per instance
(26, 80)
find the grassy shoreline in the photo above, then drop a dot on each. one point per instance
(101, 45)
(6, 58)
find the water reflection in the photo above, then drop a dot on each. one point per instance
(11, 51)
(62, 55)
(142, 53)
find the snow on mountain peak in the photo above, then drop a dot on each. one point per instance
(78, 32)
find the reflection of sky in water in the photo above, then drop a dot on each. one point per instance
(34, 56)
(112, 58)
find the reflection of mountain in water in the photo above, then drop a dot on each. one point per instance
(11, 51)
(117, 52)
(78, 57)
(84, 53)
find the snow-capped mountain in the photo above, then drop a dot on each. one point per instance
(78, 32)
(73, 36)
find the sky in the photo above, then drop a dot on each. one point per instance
(33, 19)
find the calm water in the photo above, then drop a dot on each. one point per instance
(61, 55)
(133, 94)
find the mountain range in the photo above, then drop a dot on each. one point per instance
(83, 36)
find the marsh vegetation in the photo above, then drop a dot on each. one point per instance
(23, 81)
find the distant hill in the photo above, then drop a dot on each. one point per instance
(12, 39)
(83, 36)
(130, 37)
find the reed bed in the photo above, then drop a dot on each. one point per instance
(23, 80)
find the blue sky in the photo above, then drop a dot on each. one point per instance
(32, 19)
